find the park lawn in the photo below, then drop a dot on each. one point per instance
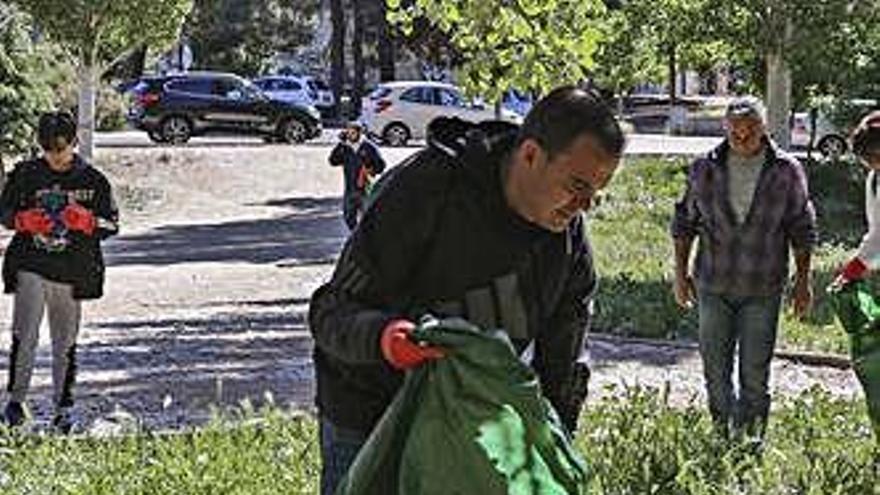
(634, 252)
(633, 442)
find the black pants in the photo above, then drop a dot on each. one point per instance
(351, 205)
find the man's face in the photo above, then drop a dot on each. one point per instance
(557, 189)
(59, 155)
(354, 133)
(745, 135)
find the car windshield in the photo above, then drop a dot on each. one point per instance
(251, 90)
(380, 92)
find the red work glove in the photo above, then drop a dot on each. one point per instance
(854, 270)
(76, 217)
(400, 351)
(33, 221)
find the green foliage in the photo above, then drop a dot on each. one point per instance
(242, 37)
(637, 443)
(639, 38)
(98, 32)
(526, 44)
(254, 455)
(832, 49)
(25, 83)
(111, 109)
(634, 252)
(633, 440)
(634, 255)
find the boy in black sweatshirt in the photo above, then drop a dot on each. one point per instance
(60, 208)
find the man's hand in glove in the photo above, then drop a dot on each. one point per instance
(401, 352)
(33, 221)
(76, 217)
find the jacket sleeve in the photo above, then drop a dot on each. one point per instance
(869, 248)
(800, 221)
(377, 163)
(10, 198)
(337, 155)
(368, 286)
(686, 218)
(105, 210)
(561, 357)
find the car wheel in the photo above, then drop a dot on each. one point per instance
(176, 130)
(156, 136)
(832, 147)
(395, 134)
(293, 131)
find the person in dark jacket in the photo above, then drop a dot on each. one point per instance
(361, 162)
(484, 223)
(748, 206)
(60, 208)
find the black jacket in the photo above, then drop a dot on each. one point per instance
(352, 158)
(440, 239)
(62, 256)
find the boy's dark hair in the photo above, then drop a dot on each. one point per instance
(866, 136)
(53, 126)
(565, 114)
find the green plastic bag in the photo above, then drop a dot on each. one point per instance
(471, 423)
(859, 313)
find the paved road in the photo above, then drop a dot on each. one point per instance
(650, 144)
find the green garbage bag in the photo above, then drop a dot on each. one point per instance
(472, 423)
(859, 313)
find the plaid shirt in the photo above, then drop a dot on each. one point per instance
(749, 258)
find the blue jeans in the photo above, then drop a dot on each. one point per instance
(749, 324)
(339, 447)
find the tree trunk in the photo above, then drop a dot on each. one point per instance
(337, 51)
(386, 46)
(673, 74)
(778, 89)
(357, 46)
(778, 97)
(87, 73)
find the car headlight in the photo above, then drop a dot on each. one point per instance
(313, 112)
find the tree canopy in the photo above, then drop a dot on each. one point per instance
(242, 37)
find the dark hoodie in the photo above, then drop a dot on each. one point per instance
(440, 239)
(62, 256)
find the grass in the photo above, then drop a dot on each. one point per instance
(634, 254)
(634, 443)
(638, 444)
(267, 454)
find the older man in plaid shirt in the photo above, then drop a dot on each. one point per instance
(748, 204)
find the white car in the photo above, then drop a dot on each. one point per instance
(399, 111)
(830, 141)
(289, 89)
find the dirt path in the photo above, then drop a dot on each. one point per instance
(208, 287)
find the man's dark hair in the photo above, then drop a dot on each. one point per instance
(53, 126)
(567, 113)
(866, 136)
